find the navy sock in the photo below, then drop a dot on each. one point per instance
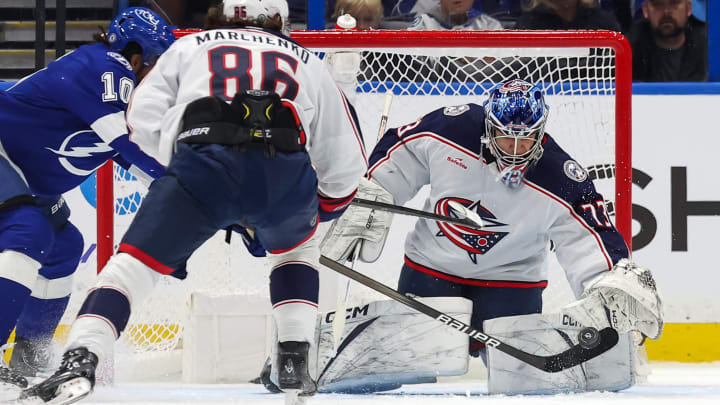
(13, 297)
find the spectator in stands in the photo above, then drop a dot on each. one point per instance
(566, 15)
(367, 13)
(455, 15)
(669, 44)
(179, 13)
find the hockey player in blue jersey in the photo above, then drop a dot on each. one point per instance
(57, 126)
(497, 160)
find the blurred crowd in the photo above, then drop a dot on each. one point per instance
(668, 37)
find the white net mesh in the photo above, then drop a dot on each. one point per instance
(580, 88)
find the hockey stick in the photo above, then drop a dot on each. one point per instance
(338, 323)
(465, 216)
(384, 117)
(592, 342)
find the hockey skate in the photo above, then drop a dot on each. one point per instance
(265, 380)
(73, 381)
(293, 376)
(11, 382)
(32, 358)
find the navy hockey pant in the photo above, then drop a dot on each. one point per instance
(210, 187)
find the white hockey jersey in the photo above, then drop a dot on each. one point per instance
(557, 202)
(224, 61)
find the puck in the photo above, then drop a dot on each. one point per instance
(588, 338)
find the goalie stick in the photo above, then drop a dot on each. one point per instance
(465, 216)
(338, 323)
(587, 349)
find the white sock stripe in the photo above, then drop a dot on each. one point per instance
(112, 287)
(295, 301)
(102, 318)
(294, 262)
(52, 288)
(19, 267)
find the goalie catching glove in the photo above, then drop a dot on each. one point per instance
(625, 298)
(360, 225)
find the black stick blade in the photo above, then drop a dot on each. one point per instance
(579, 354)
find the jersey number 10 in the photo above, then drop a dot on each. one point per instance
(126, 88)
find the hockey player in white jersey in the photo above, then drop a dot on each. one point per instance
(498, 161)
(254, 132)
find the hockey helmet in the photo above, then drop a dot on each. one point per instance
(245, 10)
(516, 110)
(143, 26)
(279, 7)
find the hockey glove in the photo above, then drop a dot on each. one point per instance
(360, 224)
(625, 298)
(252, 243)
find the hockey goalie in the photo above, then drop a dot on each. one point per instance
(497, 161)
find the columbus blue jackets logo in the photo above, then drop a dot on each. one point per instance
(574, 171)
(456, 110)
(515, 85)
(473, 241)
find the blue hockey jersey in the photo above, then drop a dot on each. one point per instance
(61, 123)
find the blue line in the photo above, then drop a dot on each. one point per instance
(675, 88)
(585, 88)
(474, 88)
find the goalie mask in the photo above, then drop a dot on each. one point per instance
(515, 116)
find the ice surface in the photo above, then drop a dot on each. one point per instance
(681, 384)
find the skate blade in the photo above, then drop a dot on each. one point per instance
(293, 397)
(67, 393)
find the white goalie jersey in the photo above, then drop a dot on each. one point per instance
(556, 204)
(222, 62)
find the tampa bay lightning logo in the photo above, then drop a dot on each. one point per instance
(121, 59)
(82, 152)
(473, 241)
(147, 16)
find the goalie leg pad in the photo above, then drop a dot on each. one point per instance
(548, 334)
(385, 344)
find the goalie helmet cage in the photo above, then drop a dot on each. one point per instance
(586, 76)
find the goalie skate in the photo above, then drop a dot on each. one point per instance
(73, 381)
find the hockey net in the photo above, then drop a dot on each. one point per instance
(585, 74)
